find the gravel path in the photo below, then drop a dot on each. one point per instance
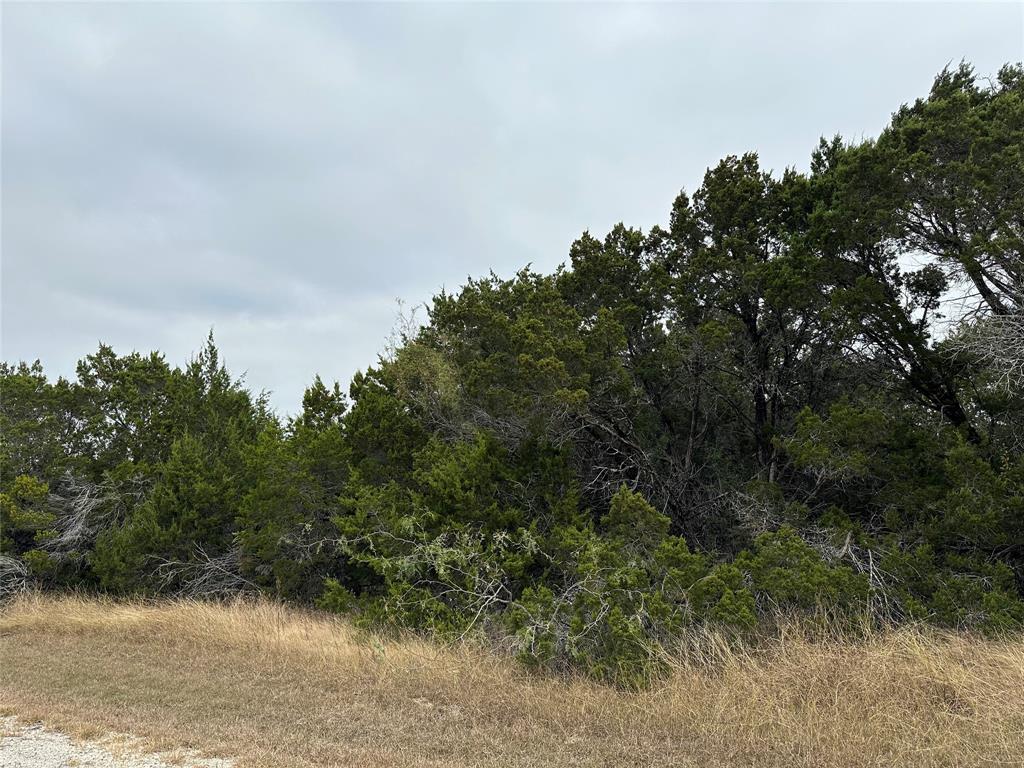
(33, 746)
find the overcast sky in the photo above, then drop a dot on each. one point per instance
(283, 173)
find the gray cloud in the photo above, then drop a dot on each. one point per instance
(284, 172)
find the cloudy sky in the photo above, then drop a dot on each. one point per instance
(283, 173)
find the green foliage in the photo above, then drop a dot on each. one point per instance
(620, 593)
(38, 435)
(190, 510)
(25, 520)
(746, 413)
(786, 573)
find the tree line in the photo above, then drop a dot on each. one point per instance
(804, 394)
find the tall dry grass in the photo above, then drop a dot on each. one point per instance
(274, 686)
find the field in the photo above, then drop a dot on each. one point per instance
(273, 686)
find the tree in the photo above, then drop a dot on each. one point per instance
(956, 159)
(878, 310)
(746, 275)
(39, 432)
(187, 517)
(295, 478)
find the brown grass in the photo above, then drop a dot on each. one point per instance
(273, 686)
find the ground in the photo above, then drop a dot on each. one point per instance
(35, 746)
(273, 687)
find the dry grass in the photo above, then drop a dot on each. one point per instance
(273, 686)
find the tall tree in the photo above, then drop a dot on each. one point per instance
(745, 274)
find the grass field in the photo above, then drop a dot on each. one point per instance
(272, 686)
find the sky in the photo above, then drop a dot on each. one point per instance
(286, 173)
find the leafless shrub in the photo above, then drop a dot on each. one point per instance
(755, 514)
(203, 576)
(13, 577)
(998, 341)
(83, 510)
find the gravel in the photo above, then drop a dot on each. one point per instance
(34, 746)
